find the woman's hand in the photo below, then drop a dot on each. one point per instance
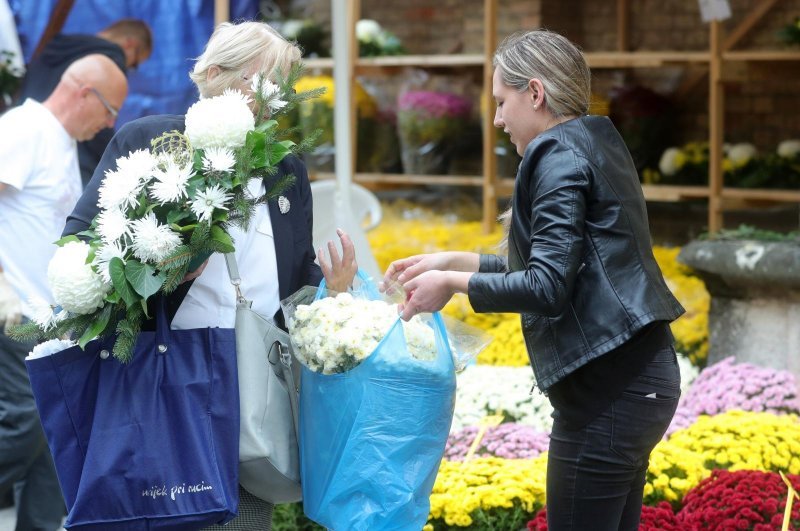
(409, 268)
(339, 273)
(431, 290)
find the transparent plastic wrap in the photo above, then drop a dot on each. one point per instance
(430, 117)
(372, 434)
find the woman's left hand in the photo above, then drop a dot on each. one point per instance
(427, 292)
(339, 273)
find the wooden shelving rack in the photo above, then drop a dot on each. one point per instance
(710, 63)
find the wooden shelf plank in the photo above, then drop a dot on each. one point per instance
(318, 62)
(664, 192)
(762, 55)
(446, 60)
(429, 61)
(403, 178)
(762, 194)
(643, 59)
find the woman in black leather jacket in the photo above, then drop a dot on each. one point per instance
(580, 270)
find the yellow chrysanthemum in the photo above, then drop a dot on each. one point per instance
(486, 485)
(743, 440)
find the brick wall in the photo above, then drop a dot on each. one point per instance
(761, 108)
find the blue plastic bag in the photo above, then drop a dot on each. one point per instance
(372, 438)
(153, 444)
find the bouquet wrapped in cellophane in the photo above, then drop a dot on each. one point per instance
(164, 211)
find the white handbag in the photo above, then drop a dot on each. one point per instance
(269, 467)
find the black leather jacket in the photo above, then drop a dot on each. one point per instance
(580, 267)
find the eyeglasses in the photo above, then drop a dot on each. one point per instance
(110, 108)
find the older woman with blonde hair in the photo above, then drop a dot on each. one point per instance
(580, 271)
(275, 255)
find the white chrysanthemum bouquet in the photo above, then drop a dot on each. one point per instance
(335, 334)
(163, 211)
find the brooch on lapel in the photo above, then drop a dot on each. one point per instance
(283, 204)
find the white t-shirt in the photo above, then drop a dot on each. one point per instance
(211, 301)
(40, 168)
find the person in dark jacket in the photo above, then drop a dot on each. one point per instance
(580, 270)
(127, 42)
(275, 254)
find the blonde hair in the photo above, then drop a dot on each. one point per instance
(235, 48)
(552, 59)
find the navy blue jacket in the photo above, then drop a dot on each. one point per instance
(294, 250)
(580, 265)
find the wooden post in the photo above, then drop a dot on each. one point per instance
(622, 25)
(222, 12)
(489, 133)
(716, 125)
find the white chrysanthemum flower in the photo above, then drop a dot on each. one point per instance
(269, 91)
(170, 182)
(207, 200)
(103, 256)
(121, 187)
(368, 30)
(789, 149)
(221, 121)
(152, 241)
(740, 154)
(112, 225)
(49, 348)
(139, 164)
(671, 161)
(43, 314)
(73, 282)
(218, 159)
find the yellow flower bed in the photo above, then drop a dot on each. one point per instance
(691, 329)
(408, 229)
(477, 492)
(743, 440)
(673, 470)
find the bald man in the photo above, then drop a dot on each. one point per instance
(39, 186)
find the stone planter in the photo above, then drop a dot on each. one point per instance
(755, 299)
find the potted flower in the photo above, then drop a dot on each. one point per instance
(428, 124)
(374, 41)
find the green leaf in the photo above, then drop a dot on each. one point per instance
(224, 243)
(174, 216)
(116, 269)
(66, 239)
(113, 297)
(267, 126)
(256, 144)
(98, 326)
(279, 151)
(143, 278)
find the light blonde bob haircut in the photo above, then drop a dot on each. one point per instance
(552, 59)
(239, 49)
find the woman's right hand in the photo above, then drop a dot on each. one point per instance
(407, 268)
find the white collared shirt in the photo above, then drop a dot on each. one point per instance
(211, 301)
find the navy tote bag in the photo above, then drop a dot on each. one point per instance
(152, 444)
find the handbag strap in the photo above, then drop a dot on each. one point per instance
(236, 280)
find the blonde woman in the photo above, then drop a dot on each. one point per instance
(580, 271)
(275, 256)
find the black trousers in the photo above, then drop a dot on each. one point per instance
(25, 460)
(596, 474)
